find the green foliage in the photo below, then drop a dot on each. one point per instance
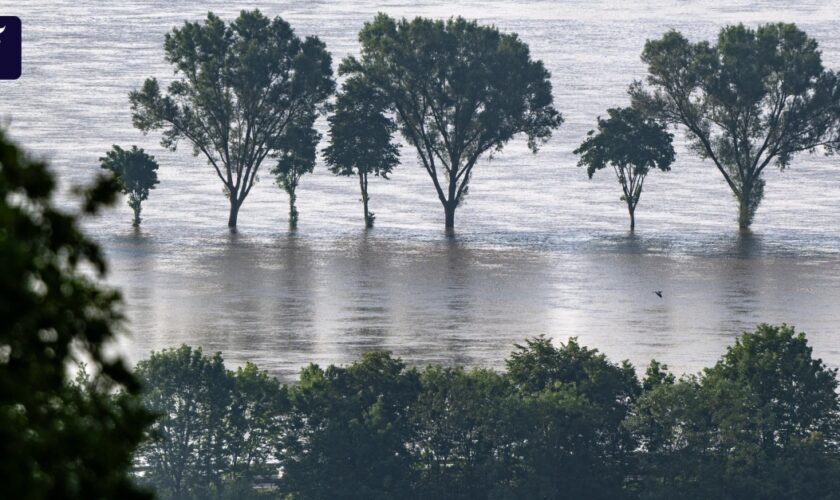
(761, 423)
(215, 430)
(756, 97)
(561, 422)
(796, 393)
(464, 443)
(657, 374)
(136, 172)
(631, 144)
(241, 87)
(348, 430)
(573, 402)
(58, 440)
(458, 90)
(361, 137)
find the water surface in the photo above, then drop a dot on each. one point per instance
(540, 249)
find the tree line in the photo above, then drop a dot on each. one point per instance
(249, 92)
(562, 421)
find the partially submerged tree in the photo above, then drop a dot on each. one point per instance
(295, 157)
(755, 98)
(361, 138)
(59, 440)
(632, 145)
(459, 90)
(136, 172)
(240, 87)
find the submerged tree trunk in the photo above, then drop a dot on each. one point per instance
(363, 184)
(234, 213)
(293, 213)
(449, 211)
(632, 211)
(745, 211)
(749, 193)
(135, 205)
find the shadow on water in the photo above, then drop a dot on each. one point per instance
(747, 245)
(358, 278)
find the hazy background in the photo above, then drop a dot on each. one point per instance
(540, 249)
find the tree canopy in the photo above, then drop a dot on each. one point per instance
(632, 145)
(761, 423)
(347, 431)
(458, 90)
(562, 421)
(216, 429)
(57, 439)
(756, 97)
(241, 89)
(136, 172)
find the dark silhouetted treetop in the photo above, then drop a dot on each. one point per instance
(761, 423)
(347, 434)
(797, 392)
(754, 98)
(136, 172)
(361, 137)
(239, 87)
(458, 89)
(562, 422)
(59, 440)
(632, 145)
(216, 429)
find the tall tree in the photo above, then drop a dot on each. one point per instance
(632, 145)
(573, 404)
(59, 440)
(795, 392)
(755, 98)
(255, 424)
(361, 138)
(459, 90)
(348, 429)
(463, 446)
(136, 172)
(295, 157)
(190, 393)
(240, 87)
(762, 423)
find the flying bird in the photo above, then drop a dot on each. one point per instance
(2, 30)
(658, 293)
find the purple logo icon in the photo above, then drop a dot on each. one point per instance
(10, 65)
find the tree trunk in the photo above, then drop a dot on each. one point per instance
(234, 213)
(744, 211)
(750, 195)
(293, 213)
(363, 184)
(449, 211)
(134, 203)
(632, 211)
(452, 201)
